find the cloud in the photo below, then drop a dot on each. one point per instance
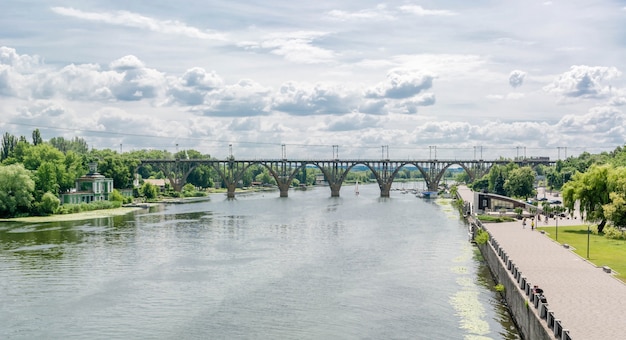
(421, 11)
(295, 47)
(320, 99)
(244, 99)
(129, 62)
(352, 122)
(599, 120)
(378, 13)
(21, 63)
(192, 87)
(516, 78)
(401, 83)
(583, 81)
(129, 19)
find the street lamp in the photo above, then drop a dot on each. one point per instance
(588, 233)
(557, 228)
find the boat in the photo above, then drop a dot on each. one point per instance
(427, 194)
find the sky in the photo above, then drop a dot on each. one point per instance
(451, 79)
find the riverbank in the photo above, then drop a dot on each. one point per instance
(85, 215)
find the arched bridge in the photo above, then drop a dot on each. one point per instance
(335, 171)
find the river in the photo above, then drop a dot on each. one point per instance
(257, 267)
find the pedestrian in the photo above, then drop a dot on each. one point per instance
(532, 224)
(524, 223)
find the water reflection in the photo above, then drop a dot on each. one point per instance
(308, 266)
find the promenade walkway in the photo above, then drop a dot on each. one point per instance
(590, 303)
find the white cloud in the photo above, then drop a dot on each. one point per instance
(297, 47)
(516, 78)
(244, 99)
(402, 83)
(583, 81)
(421, 11)
(378, 13)
(319, 99)
(129, 19)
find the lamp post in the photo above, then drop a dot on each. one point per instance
(588, 233)
(557, 228)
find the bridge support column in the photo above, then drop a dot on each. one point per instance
(334, 190)
(230, 190)
(284, 189)
(385, 189)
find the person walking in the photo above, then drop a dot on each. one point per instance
(524, 223)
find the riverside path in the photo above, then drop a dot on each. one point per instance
(590, 303)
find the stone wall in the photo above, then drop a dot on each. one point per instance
(532, 316)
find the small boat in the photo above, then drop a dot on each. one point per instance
(427, 194)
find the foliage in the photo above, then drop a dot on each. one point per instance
(499, 288)
(494, 218)
(614, 233)
(16, 190)
(116, 196)
(81, 207)
(519, 182)
(497, 178)
(482, 237)
(148, 191)
(48, 205)
(591, 189)
(480, 184)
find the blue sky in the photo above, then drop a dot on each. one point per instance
(505, 77)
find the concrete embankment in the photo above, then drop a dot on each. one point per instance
(582, 300)
(531, 315)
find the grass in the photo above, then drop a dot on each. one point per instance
(602, 251)
(495, 218)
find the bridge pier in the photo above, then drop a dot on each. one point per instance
(284, 189)
(230, 190)
(385, 188)
(334, 190)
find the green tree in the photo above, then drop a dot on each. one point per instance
(116, 196)
(591, 189)
(37, 137)
(16, 190)
(8, 145)
(520, 182)
(497, 178)
(49, 204)
(615, 210)
(149, 191)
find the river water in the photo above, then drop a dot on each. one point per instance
(257, 267)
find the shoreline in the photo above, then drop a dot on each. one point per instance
(86, 215)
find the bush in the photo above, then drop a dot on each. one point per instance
(116, 196)
(481, 237)
(614, 233)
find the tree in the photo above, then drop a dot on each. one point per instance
(615, 210)
(49, 203)
(16, 190)
(497, 178)
(149, 191)
(520, 182)
(8, 145)
(37, 137)
(591, 189)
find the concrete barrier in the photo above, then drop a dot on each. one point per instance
(527, 315)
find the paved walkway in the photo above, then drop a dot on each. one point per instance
(590, 303)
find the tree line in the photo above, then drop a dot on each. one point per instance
(597, 182)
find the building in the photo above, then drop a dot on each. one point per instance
(91, 187)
